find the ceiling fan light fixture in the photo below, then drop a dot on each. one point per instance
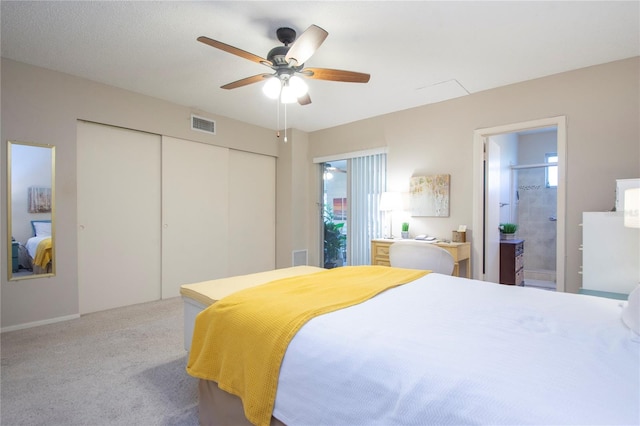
(288, 95)
(271, 88)
(298, 86)
(286, 61)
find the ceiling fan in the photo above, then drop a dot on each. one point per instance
(288, 63)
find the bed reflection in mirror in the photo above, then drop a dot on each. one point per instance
(31, 210)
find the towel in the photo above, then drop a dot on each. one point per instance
(240, 341)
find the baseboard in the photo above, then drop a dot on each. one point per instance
(38, 323)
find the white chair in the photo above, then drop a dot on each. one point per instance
(420, 255)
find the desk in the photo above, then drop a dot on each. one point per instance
(459, 251)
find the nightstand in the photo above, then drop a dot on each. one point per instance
(14, 256)
(512, 262)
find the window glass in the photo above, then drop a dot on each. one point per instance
(552, 171)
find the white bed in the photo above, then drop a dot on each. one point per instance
(449, 350)
(39, 246)
(198, 296)
(32, 245)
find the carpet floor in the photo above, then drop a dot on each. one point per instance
(124, 366)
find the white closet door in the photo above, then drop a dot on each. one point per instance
(118, 217)
(194, 213)
(252, 213)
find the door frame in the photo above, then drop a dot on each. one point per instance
(480, 137)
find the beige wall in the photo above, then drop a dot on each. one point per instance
(297, 223)
(601, 106)
(42, 106)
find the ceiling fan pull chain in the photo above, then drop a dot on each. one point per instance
(278, 119)
(285, 123)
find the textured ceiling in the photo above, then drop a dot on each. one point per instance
(417, 52)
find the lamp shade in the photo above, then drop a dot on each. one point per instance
(632, 208)
(298, 86)
(288, 95)
(272, 88)
(390, 201)
(288, 89)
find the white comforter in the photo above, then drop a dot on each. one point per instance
(447, 350)
(32, 245)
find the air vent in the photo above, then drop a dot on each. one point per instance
(299, 257)
(202, 124)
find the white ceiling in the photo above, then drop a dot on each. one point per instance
(417, 52)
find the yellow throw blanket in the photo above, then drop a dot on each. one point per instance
(43, 253)
(240, 341)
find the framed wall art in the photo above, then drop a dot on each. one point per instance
(429, 195)
(39, 200)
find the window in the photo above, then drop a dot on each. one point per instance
(335, 213)
(351, 194)
(368, 180)
(551, 174)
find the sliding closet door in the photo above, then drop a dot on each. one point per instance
(194, 213)
(252, 212)
(118, 217)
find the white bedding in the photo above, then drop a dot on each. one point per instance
(32, 245)
(448, 350)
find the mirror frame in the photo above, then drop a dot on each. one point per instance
(52, 272)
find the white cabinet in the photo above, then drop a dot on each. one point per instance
(252, 213)
(194, 213)
(610, 253)
(621, 186)
(119, 246)
(218, 213)
(158, 212)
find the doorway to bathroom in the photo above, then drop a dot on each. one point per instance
(519, 178)
(532, 204)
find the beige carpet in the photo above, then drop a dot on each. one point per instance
(124, 366)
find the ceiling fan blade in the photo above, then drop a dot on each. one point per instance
(246, 81)
(304, 99)
(233, 50)
(335, 75)
(306, 45)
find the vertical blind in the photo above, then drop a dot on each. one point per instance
(367, 181)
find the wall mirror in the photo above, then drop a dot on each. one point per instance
(30, 210)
